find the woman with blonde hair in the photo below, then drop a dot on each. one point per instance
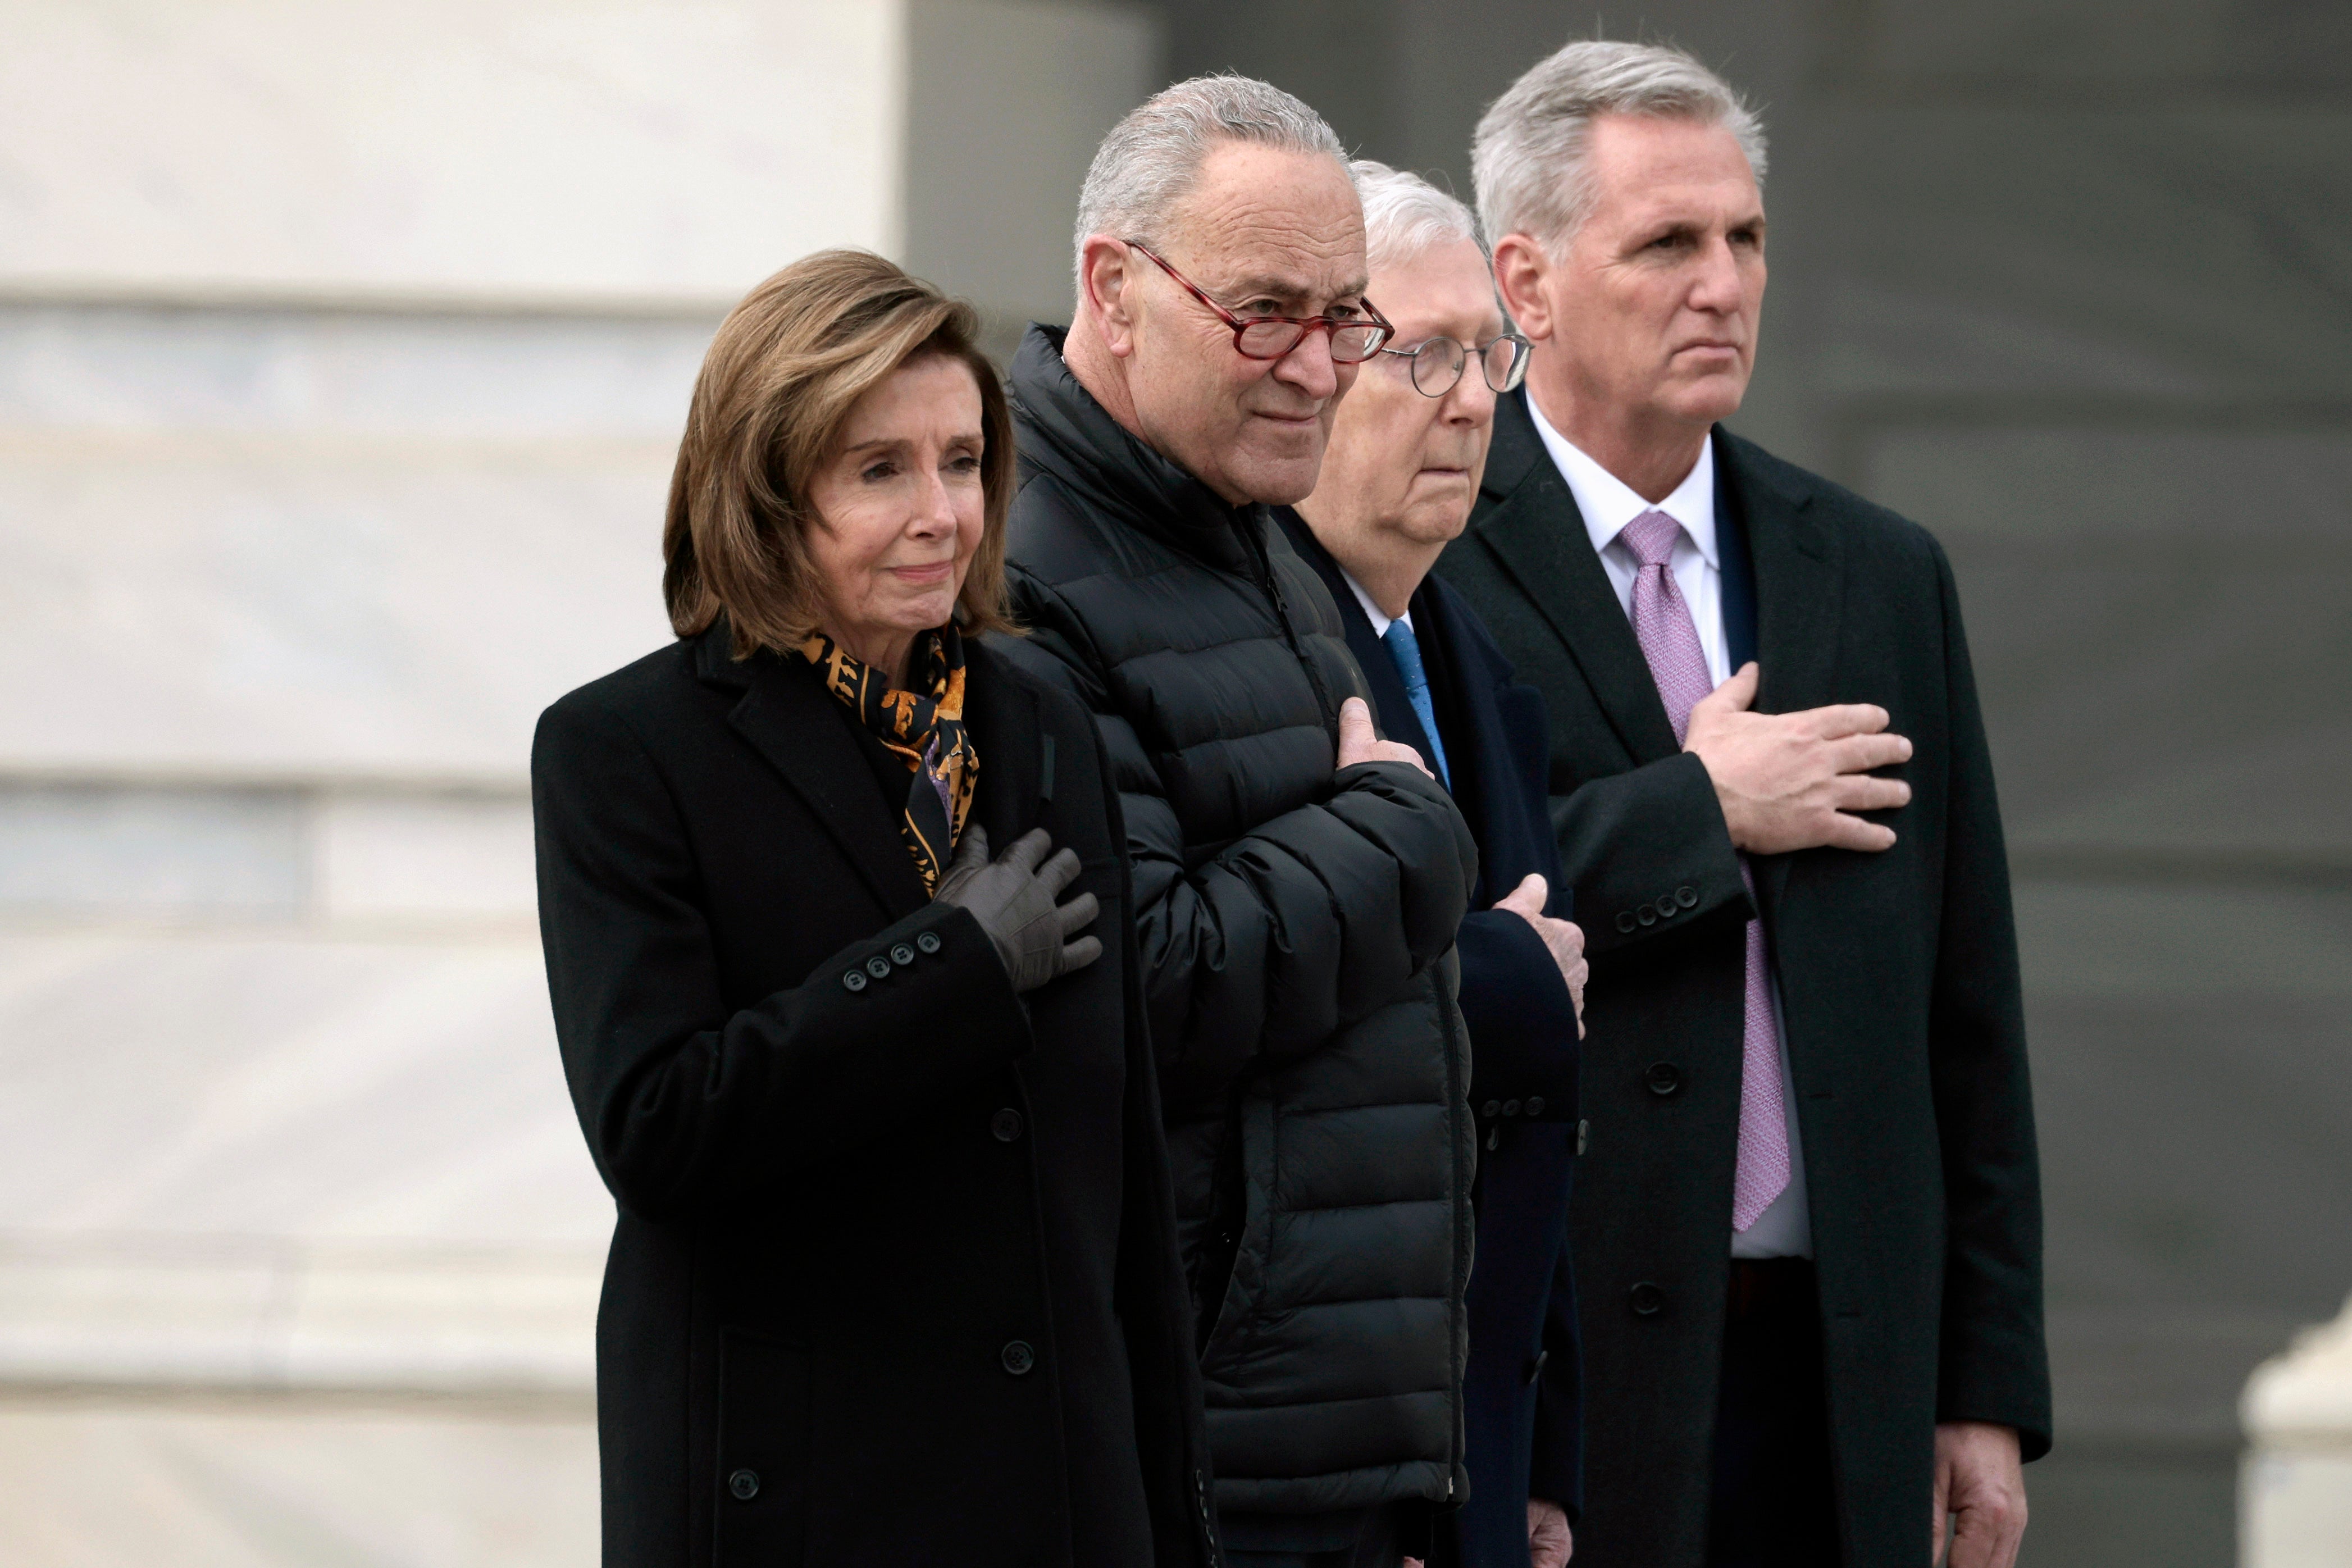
(894, 1277)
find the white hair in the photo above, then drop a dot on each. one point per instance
(1531, 159)
(1404, 215)
(1149, 161)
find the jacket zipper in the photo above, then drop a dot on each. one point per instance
(1271, 586)
(1465, 1157)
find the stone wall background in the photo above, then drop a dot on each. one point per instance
(343, 351)
(342, 348)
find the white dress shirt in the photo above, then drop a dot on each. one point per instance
(1785, 1229)
(1381, 623)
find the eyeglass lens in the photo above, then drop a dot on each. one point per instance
(1438, 363)
(1350, 345)
(1507, 363)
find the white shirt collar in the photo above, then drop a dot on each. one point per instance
(1381, 623)
(1608, 505)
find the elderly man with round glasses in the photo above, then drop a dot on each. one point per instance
(1297, 880)
(1398, 483)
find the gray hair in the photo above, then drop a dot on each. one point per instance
(1531, 158)
(1404, 215)
(1148, 162)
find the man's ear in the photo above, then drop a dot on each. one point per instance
(1521, 269)
(1103, 278)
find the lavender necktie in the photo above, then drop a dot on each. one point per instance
(1669, 639)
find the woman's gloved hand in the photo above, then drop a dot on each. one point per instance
(1013, 897)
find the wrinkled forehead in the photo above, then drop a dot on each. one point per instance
(1263, 223)
(1443, 289)
(1646, 168)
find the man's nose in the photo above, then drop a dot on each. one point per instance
(1310, 366)
(1718, 287)
(1470, 401)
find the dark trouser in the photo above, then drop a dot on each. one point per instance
(1774, 1504)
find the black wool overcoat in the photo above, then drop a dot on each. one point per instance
(1899, 979)
(894, 1278)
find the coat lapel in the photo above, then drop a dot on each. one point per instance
(1009, 733)
(1392, 711)
(789, 719)
(1537, 535)
(1800, 586)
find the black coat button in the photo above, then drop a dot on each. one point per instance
(1647, 1299)
(902, 955)
(1583, 1135)
(879, 967)
(1687, 897)
(928, 942)
(1017, 1357)
(1664, 1078)
(1647, 914)
(1665, 905)
(1625, 920)
(1492, 1108)
(1534, 1105)
(743, 1485)
(854, 981)
(1005, 1124)
(1510, 1108)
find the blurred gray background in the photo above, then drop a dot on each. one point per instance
(342, 350)
(2071, 286)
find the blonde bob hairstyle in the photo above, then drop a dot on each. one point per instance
(775, 389)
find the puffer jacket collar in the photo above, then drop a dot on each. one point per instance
(1065, 432)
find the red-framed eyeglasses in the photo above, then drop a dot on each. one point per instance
(1353, 338)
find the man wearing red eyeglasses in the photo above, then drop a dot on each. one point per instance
(1296, 881)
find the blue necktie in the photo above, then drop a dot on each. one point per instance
(1405, 648)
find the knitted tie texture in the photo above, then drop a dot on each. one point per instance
(1664, 626)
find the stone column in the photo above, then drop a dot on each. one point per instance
(2295, 1507)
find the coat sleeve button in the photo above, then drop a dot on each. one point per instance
(879, 967)
(1664, 1078)
(854, 982)
(1647, 1299)
(1534, 1105)
(1647, 914)
(1005, 1124)
(902, 955)
(1666, 907)
(1687, 897)
(1492, 1108)
(928, 942)
(1625, 920)
(743, 1485)
(1017, 1357)
(1510, 1108)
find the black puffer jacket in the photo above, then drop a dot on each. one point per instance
(1296, 930)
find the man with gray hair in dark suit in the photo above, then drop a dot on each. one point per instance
(1808, 1221)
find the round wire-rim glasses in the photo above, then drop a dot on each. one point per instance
(1354, 339)
(1438, 363)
